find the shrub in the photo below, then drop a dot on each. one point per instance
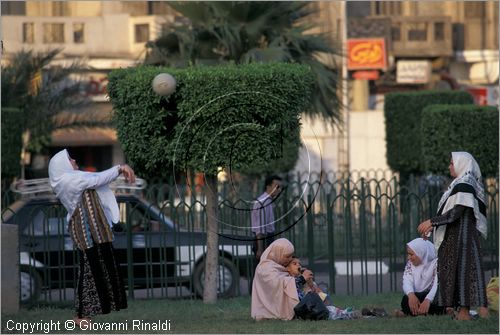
(12, 129)
(245, 117)
(403, 112)
(471, 128)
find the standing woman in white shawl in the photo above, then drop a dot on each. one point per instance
(92, 209)
(420, 281)
(460, 220)
(274, 292)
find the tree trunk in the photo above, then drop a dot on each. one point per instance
(212, 257)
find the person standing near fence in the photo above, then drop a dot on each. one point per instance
(460, 220)
(262, 216)
(92, 209)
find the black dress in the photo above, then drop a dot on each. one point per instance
(460, 269)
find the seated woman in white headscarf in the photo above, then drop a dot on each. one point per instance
(456, 230)
(420, 281)
(92, 209)
(274, 290)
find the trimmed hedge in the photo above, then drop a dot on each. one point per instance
(403, 112)
(471, 128)
(243, 117)
(12, 130)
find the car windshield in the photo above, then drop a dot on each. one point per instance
(44, 224)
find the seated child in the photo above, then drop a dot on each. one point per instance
(420, 280)
(295, 269)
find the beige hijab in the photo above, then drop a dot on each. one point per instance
(274, 294)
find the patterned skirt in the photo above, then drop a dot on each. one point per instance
(460, 270)
(99, 289)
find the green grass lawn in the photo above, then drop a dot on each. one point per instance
(233, 316)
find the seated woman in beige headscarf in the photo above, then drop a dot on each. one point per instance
(274, 291)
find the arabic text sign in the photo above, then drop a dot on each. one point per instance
(366, 53)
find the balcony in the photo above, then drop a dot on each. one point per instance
(421, 36)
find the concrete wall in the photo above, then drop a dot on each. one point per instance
(367, 144)
(10, 269)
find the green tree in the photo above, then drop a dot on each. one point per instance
(251, 31)
(234, 117)
(41, 91)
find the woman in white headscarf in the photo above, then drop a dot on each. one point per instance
(420, 281)
(92, 210)
(274, 290)
(460, 221)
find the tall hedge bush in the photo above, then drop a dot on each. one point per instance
(403, 113)
(12, 129)
(471, 128)
(245, 116)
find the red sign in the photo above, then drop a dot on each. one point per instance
(366, 53)
(366, 75)
(480, 95)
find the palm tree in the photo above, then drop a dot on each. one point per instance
(32, 86)
(244, 32)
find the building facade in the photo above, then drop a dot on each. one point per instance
(420, 45)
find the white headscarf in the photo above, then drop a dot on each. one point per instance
(468, 172)
(274, 293)
(69, 184)
(423, 274)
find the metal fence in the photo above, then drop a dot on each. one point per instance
(351, 231)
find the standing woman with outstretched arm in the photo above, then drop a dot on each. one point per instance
(460, 221)
(92, 210)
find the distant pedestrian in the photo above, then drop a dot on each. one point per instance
(92, 209)
(262, 217)
(460, 220)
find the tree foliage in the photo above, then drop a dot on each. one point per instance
(471, 128)
(40, 91)
(222, 32)
(403, 120)
(244, 118)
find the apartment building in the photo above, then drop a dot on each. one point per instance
(428, 44)
(421, 45)
(104, 34)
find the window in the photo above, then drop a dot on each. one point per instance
(474, 9)
(396, 33)
(78, 32)
(29, 32)
(60, 8)
(13, 8)
(53, 33)
(417, 32)
(438, 31)
(48, 221)
(141, 33)
(386, 8)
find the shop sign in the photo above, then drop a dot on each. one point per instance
(366, 53)
(413, 72)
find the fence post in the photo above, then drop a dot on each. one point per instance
(310, 233)
(331, 245)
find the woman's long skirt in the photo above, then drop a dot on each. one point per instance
(99, 289)
(460, 270)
